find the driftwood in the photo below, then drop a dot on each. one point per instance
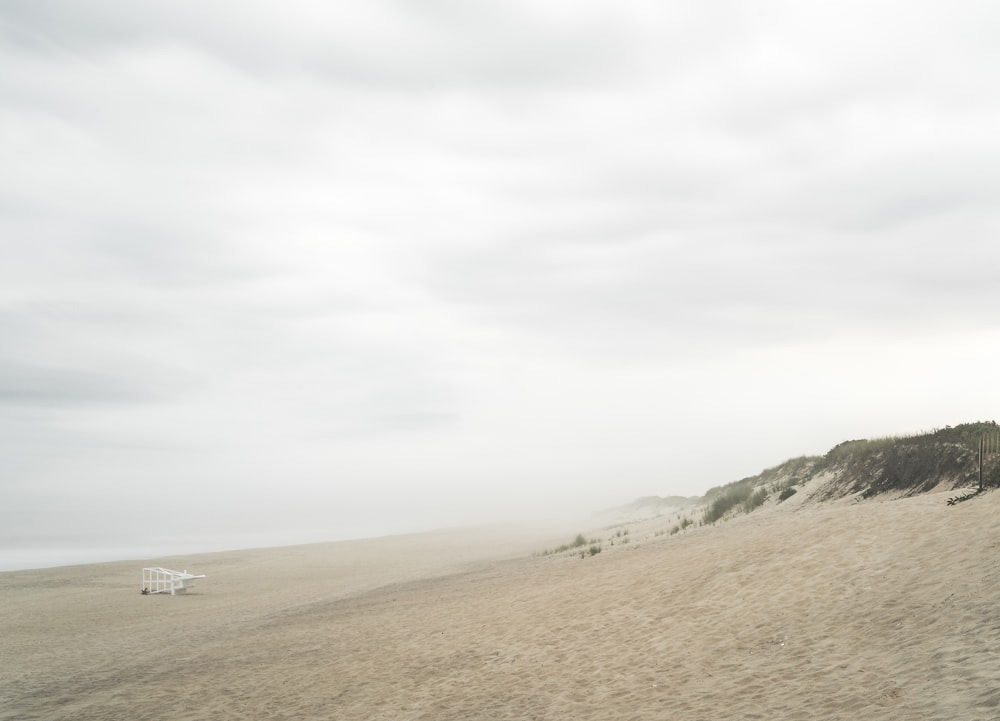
(964, 497)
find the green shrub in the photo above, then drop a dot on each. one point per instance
(725, 498)
(578, 542)
(912, 464)
(755, 500)
(786, 494)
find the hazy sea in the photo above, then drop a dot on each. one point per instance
(18, 554)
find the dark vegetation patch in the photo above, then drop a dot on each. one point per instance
(907, 465)
(914, 464)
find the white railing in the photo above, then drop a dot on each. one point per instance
(163, 580)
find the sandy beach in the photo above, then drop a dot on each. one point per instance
(875, 610)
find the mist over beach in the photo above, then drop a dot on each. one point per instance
(797, 610)
(343, 272)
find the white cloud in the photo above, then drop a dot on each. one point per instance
(468, 262)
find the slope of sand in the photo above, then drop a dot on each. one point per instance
(843, 611)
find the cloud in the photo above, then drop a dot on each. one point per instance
(495, 254)
(37, 386)
(379, 46)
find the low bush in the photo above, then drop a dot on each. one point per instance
(754, 500)
(577, 542)
(725, 498)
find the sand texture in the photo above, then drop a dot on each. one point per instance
(876, 610)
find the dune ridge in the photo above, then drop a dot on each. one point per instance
(844, 610)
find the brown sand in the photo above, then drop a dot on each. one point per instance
(882, 610)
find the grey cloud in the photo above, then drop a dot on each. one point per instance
(900, 191)
(675, 299)
(37, 385)
(385, 426)
(379, 44)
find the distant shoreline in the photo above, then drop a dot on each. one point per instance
(64, 554)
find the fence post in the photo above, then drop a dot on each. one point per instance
(982, 441)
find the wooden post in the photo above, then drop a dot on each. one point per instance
(982, 442)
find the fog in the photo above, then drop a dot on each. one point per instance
(278, 272)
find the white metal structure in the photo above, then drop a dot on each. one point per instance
(163, 580)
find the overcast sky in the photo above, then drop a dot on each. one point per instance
(337, 269)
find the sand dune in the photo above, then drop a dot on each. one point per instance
(879, 610)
